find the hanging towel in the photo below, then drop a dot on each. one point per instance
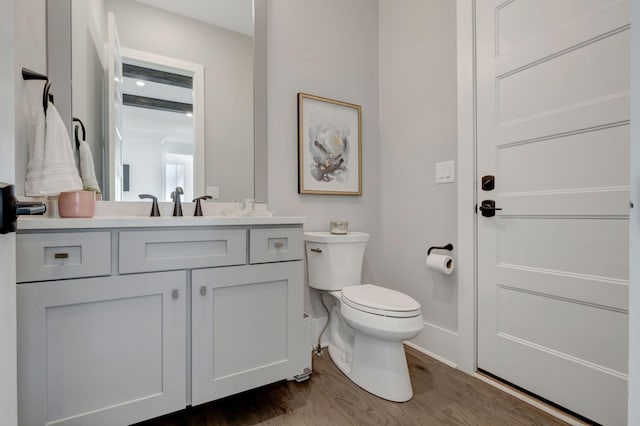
(87, 171)
(51, 167)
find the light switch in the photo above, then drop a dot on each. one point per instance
(214, 191)
(445, 172)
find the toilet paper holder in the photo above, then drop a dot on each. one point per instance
(445, 247)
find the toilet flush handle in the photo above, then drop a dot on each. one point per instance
(316, 250)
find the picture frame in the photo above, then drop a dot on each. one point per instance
(329, 146)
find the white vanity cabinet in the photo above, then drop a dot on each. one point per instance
(243, 328)
(101, 351)
(120, 325)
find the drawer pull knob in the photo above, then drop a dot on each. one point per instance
(279, 244)
(175, 294)
(61, 255)
(203, 291)
(316, 250)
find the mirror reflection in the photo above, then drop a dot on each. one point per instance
(169, 101)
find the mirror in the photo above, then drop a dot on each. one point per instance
(198, 134)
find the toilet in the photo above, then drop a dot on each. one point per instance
(367, 323)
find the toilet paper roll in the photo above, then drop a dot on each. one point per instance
(441, 263)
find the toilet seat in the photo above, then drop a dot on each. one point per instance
(381, 301)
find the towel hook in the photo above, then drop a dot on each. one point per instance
(28, 74)
(445, 247)
(84, 132)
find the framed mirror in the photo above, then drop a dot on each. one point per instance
(170, 93)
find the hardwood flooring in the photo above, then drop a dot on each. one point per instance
(442, 396)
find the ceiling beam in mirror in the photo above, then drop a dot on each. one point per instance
(157, 76)
(158, 104)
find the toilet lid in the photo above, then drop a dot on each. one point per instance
(381, 301)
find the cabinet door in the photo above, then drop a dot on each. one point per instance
(247, 327)
(101, 351)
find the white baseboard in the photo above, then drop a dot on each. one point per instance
(431, 354)
(531, 401)
(438, 343)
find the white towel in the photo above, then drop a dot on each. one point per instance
(87, 171)
(51, 168)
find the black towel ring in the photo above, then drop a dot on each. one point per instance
(77, 137)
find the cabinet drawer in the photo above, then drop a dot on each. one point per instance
(145, 251)
(41, 257)
(275, 245)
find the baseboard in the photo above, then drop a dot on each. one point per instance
(431, 354)
(438, 343)
(540, 405)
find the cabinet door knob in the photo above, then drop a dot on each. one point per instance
(279, 244)
(61, 255)
(203, 290)
(175, 293)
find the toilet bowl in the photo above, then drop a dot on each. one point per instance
(367, 322)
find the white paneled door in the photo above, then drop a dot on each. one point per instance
(553, 128)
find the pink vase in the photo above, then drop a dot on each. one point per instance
(77, 204)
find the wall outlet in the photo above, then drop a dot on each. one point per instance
(445, 172)
(214, 191)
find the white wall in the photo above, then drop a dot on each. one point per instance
(31, 52)
(417, 129)
(228, 60)
(29, 42)
(634, 224)
(146, 168)
(326, 48)
(8, 390)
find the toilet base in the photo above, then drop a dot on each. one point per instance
(377, 366)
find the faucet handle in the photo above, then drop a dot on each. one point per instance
(198, 210)
(177, 204)
(155, 211)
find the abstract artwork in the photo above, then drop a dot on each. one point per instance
(329, 146)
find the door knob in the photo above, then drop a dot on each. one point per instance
(488, 208)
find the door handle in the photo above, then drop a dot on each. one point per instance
(488, 208)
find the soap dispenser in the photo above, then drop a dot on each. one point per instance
(198, 209)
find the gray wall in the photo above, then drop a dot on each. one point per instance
(228, 60)
(417, 129)
(8, 360)
(634, 224)
(88, 68)
(31, 52)
(327, 48)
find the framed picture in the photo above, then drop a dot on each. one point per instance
(329, 146)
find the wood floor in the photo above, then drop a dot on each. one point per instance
(442, 396)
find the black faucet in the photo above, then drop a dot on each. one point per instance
(177, 205)
(155, 211)
(198, 210)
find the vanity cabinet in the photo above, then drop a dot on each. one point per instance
(242, 327)
(116, 326)
(101, 351)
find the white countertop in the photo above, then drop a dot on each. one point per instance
(42, 222)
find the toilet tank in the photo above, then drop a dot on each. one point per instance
(334, 261)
